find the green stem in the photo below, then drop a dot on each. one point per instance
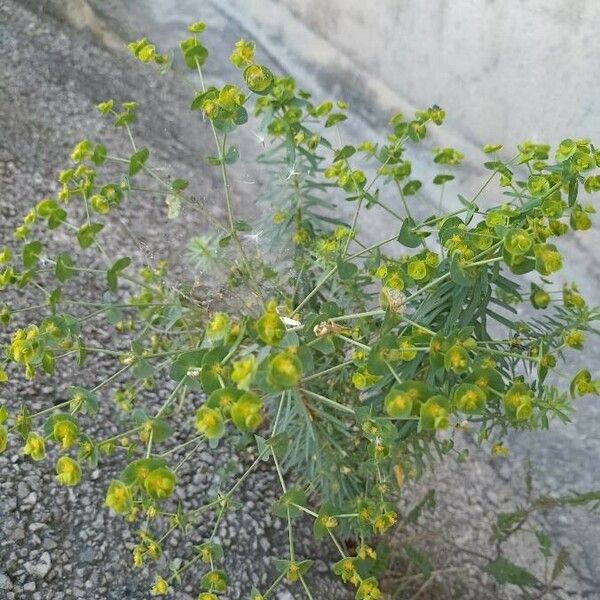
(305, 586)
(328, 401)
(273, 586)
(354, 342)
(333, 270)
(109, 379)
(149, 446)
(359, 315)
(170, 398)
(535, 359)
(189, 454)
(182, 445)
(221, 150)
(337, 544)
(327, 371)
(393, 372)
(312, 513)
(119, 435)
(485, 262)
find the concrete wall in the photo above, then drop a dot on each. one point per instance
(504, 70)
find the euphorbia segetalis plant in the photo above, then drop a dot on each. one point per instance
(346, 364)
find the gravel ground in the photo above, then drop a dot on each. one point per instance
(57, 543)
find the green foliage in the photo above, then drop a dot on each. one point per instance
(355, 363)
(504, 571)
(537, 580)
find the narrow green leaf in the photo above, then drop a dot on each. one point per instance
(87, 234)
(179, 185)
(99, 155)
(346, 270)
(113, 273)
(334, 119)
(232, 155)
(31, 253)
(407, 236)
(562, 560)
(442, 178)
(504, 571)
(418, 559)
(137, 160)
